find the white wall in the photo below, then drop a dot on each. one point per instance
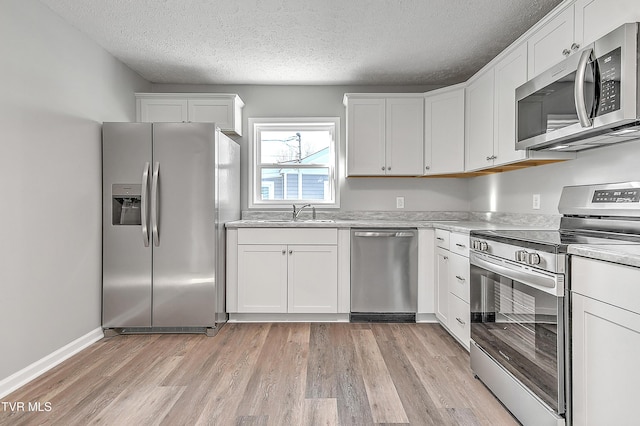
(512, 191)
(326, 101)
(57, 89)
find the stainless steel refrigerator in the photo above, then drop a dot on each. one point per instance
(168, 189)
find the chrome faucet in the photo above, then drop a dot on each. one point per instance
(296, 211)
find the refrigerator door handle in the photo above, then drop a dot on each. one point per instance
(154, 204)
(143, 204)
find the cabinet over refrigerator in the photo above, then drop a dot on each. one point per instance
(168, 189)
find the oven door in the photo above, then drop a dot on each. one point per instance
(517, 319)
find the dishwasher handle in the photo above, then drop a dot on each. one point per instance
(383, 234)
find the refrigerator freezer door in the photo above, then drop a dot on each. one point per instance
(184, 255)
(126, 152)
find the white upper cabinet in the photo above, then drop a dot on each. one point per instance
(385, 134)
(405, 136)
(223, 109)
(490, 117)
(580, 23)
(596, 18)
(479, 122)
(444, 131)
(552, 42)
(510, 73)
(366, 132)
(165, 110)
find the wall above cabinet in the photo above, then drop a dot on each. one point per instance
(223, 109)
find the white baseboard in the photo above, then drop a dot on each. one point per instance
(45, 364)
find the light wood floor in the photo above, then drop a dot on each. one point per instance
(266, 374)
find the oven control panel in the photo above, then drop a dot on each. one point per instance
(479, 245)
(616, 196)
(514, 253)
(527, 257)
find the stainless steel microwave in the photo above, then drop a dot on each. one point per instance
(590, 99)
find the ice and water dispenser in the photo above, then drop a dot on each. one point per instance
(125, 201)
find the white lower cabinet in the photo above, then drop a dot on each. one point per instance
(263, 278)
(452, 284)
(312, 273)
(284, 271)
(605, 342)
(459, 319)
(442, 285)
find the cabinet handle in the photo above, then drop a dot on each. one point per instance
(290, 251)
(284, 252)
(427, 167)
(460, 321)
(460, 278)
(389, 168)
(566, 52)
(382, 167)
(575, 46)
(439, 238)
(460, 245)
(446, 257)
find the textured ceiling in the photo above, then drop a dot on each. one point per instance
(414, 42)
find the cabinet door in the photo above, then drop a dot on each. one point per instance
(169, 110)
(404, 136)
(442, 285)
(262, 278)
(366, 137)
(510, 73)
(479, 122)
(606, 343)
(444, 132)
(219, 111)
(596, 18)
(546, 45)
(313, 279)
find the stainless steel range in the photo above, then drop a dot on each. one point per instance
(520, 299)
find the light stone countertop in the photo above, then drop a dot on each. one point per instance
(364, 223)
(461, 226)
(625, 254)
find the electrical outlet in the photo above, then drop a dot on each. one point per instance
(400, 202)
(536, 202)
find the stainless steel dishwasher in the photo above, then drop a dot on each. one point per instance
(384, 274)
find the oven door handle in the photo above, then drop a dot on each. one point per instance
(545, 283)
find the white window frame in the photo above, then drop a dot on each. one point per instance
(311, 123)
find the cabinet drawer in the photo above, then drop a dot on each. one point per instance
(618, 285)
(287, 236)
(459, 319)
(442, 238)
(459, 276)
(459, 243)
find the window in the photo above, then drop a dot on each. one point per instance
(294, 161)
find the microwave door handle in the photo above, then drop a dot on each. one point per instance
(578, 93)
